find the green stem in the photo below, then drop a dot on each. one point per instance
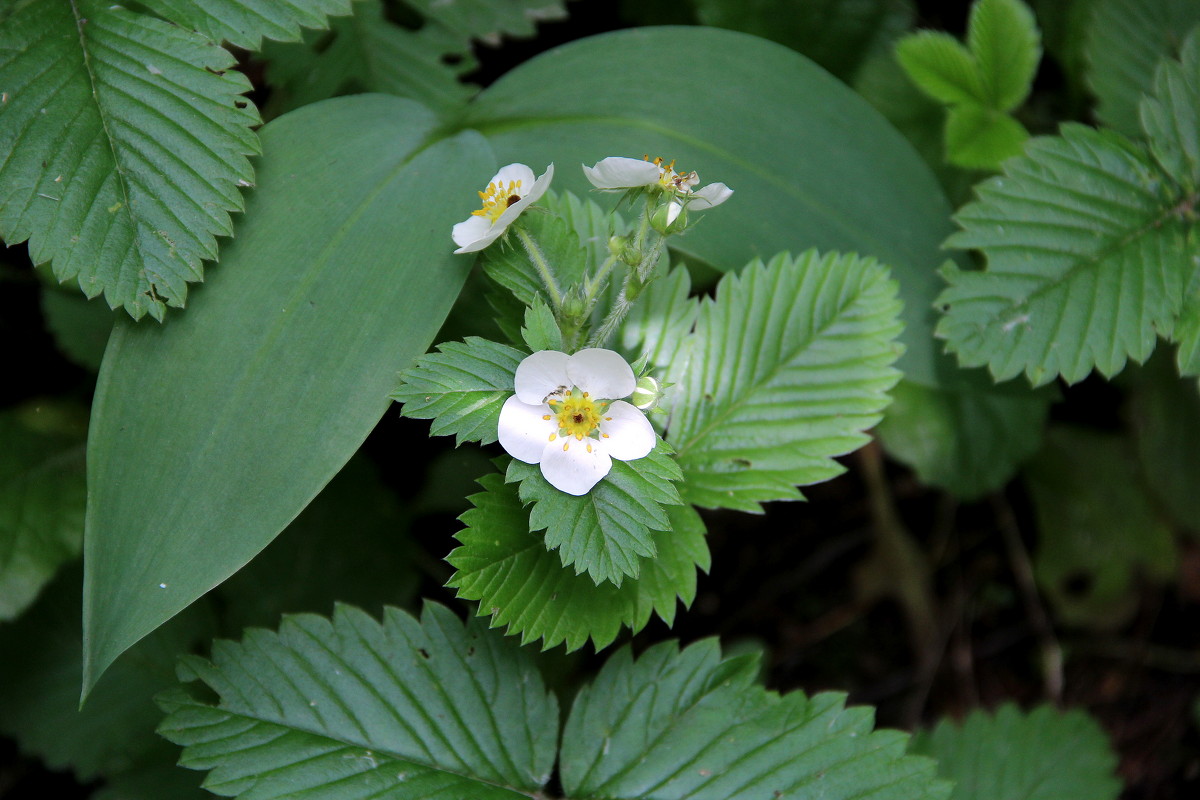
(617, 313)
(597, 283)
(542, 266)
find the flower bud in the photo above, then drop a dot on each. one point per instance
(647, 394)
(669, 218)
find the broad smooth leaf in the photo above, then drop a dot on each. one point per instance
(525, 587)
(610, 529)
(125, 141)
(1126, 40)
(1045, 754)
(792, 363)
(686, 724)
(209, 435)
(1087, 261)
(351, 708)
(817, 168)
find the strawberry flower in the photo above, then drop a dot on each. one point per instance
(508, 193)
(564, 417)
(618, 174)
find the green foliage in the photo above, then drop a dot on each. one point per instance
(659, 328)
(278, 374)
(608, 531)
(1126, 41)
(1165, 412)
(407, 709)
(687, 724)
(964, 441)
(80, 328)
(982, 82)
(42, 495)
(461, 388)
(1045, 754)
(1097, 526)
(1187, 329)
(351, 708)
(510, 265)
(522, 585)
(1087, 261)
(792, 363)
(541, 331)
(1171, 117)
(244, 23)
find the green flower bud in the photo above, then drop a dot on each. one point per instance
(647, 394)
(669, 218)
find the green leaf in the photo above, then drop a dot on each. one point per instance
(1187, 328)
(837, 34)
(659, 327)
(461, 388)
(510, 266)
(792, 363)
(42, 496)
(489, 21)
(1171, 116)
(1126, 40)
(979, 138)
(819, 168)
(1165, 413)
(1087, 261)
(967, 442)
(940, 65)
(686, 724)
(1045, 754)
(541, 330)
(80, 328)
(276, 376)
(1096, 526)
(1004, 40)
(244, 23)
(126, 141)
(523, 586)
(367, 53)
(608, 531)
(351, 708)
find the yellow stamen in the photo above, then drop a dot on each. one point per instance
(497, 198)
(553, 436)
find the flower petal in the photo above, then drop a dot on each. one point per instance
(575, 467)
(515, 172)
(532, 195)
(712, 195)
(522, 432)
(618, 172)
(603, 374)
(539, 375)
(630, 435)
(673, 213)
(470, 232)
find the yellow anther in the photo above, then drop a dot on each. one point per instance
(553, 436)
(497, 198)
(565, 445)
(547, 416)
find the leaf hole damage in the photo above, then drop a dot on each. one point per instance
(424, 653)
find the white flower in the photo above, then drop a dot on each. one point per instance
(565, 418)
(510, 191)
(617, 174)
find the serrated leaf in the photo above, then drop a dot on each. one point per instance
(792, 363)
(510, 266)
(608, 531)
(1006, 44)
(244, 23)
(461, 388)
(1096, 526)
(940, 65)
(660, 326)
(1045, 754)
(368, 53)
(980, 138)
(541, 331)
(1126, 40)
(523, 586)
(686, 724)
(43, 492)
(490, 20)
(1087, 261)
(126, 141)
(1171, 116)
(967, 442)
(351, 708)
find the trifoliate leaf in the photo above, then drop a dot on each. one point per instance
(541, 331)
(1126, 40)
(1087, 261)
(1097, 526)
(43, 493)
(791, 364)
(981, 138)
(1045, 754)
(686, 724)
(963, 440)
(1006, 44)
(1171, 116)
(524, 587)
(367, 53)
(351, 708)
(608, 531)
(461, 388)
(940, 65)
(659, 327)
(127, 140)
(244, 23)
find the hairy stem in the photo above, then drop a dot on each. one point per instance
(542, 266)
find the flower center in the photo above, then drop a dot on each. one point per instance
(497, 198)
(578, 415)
(669, 178)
